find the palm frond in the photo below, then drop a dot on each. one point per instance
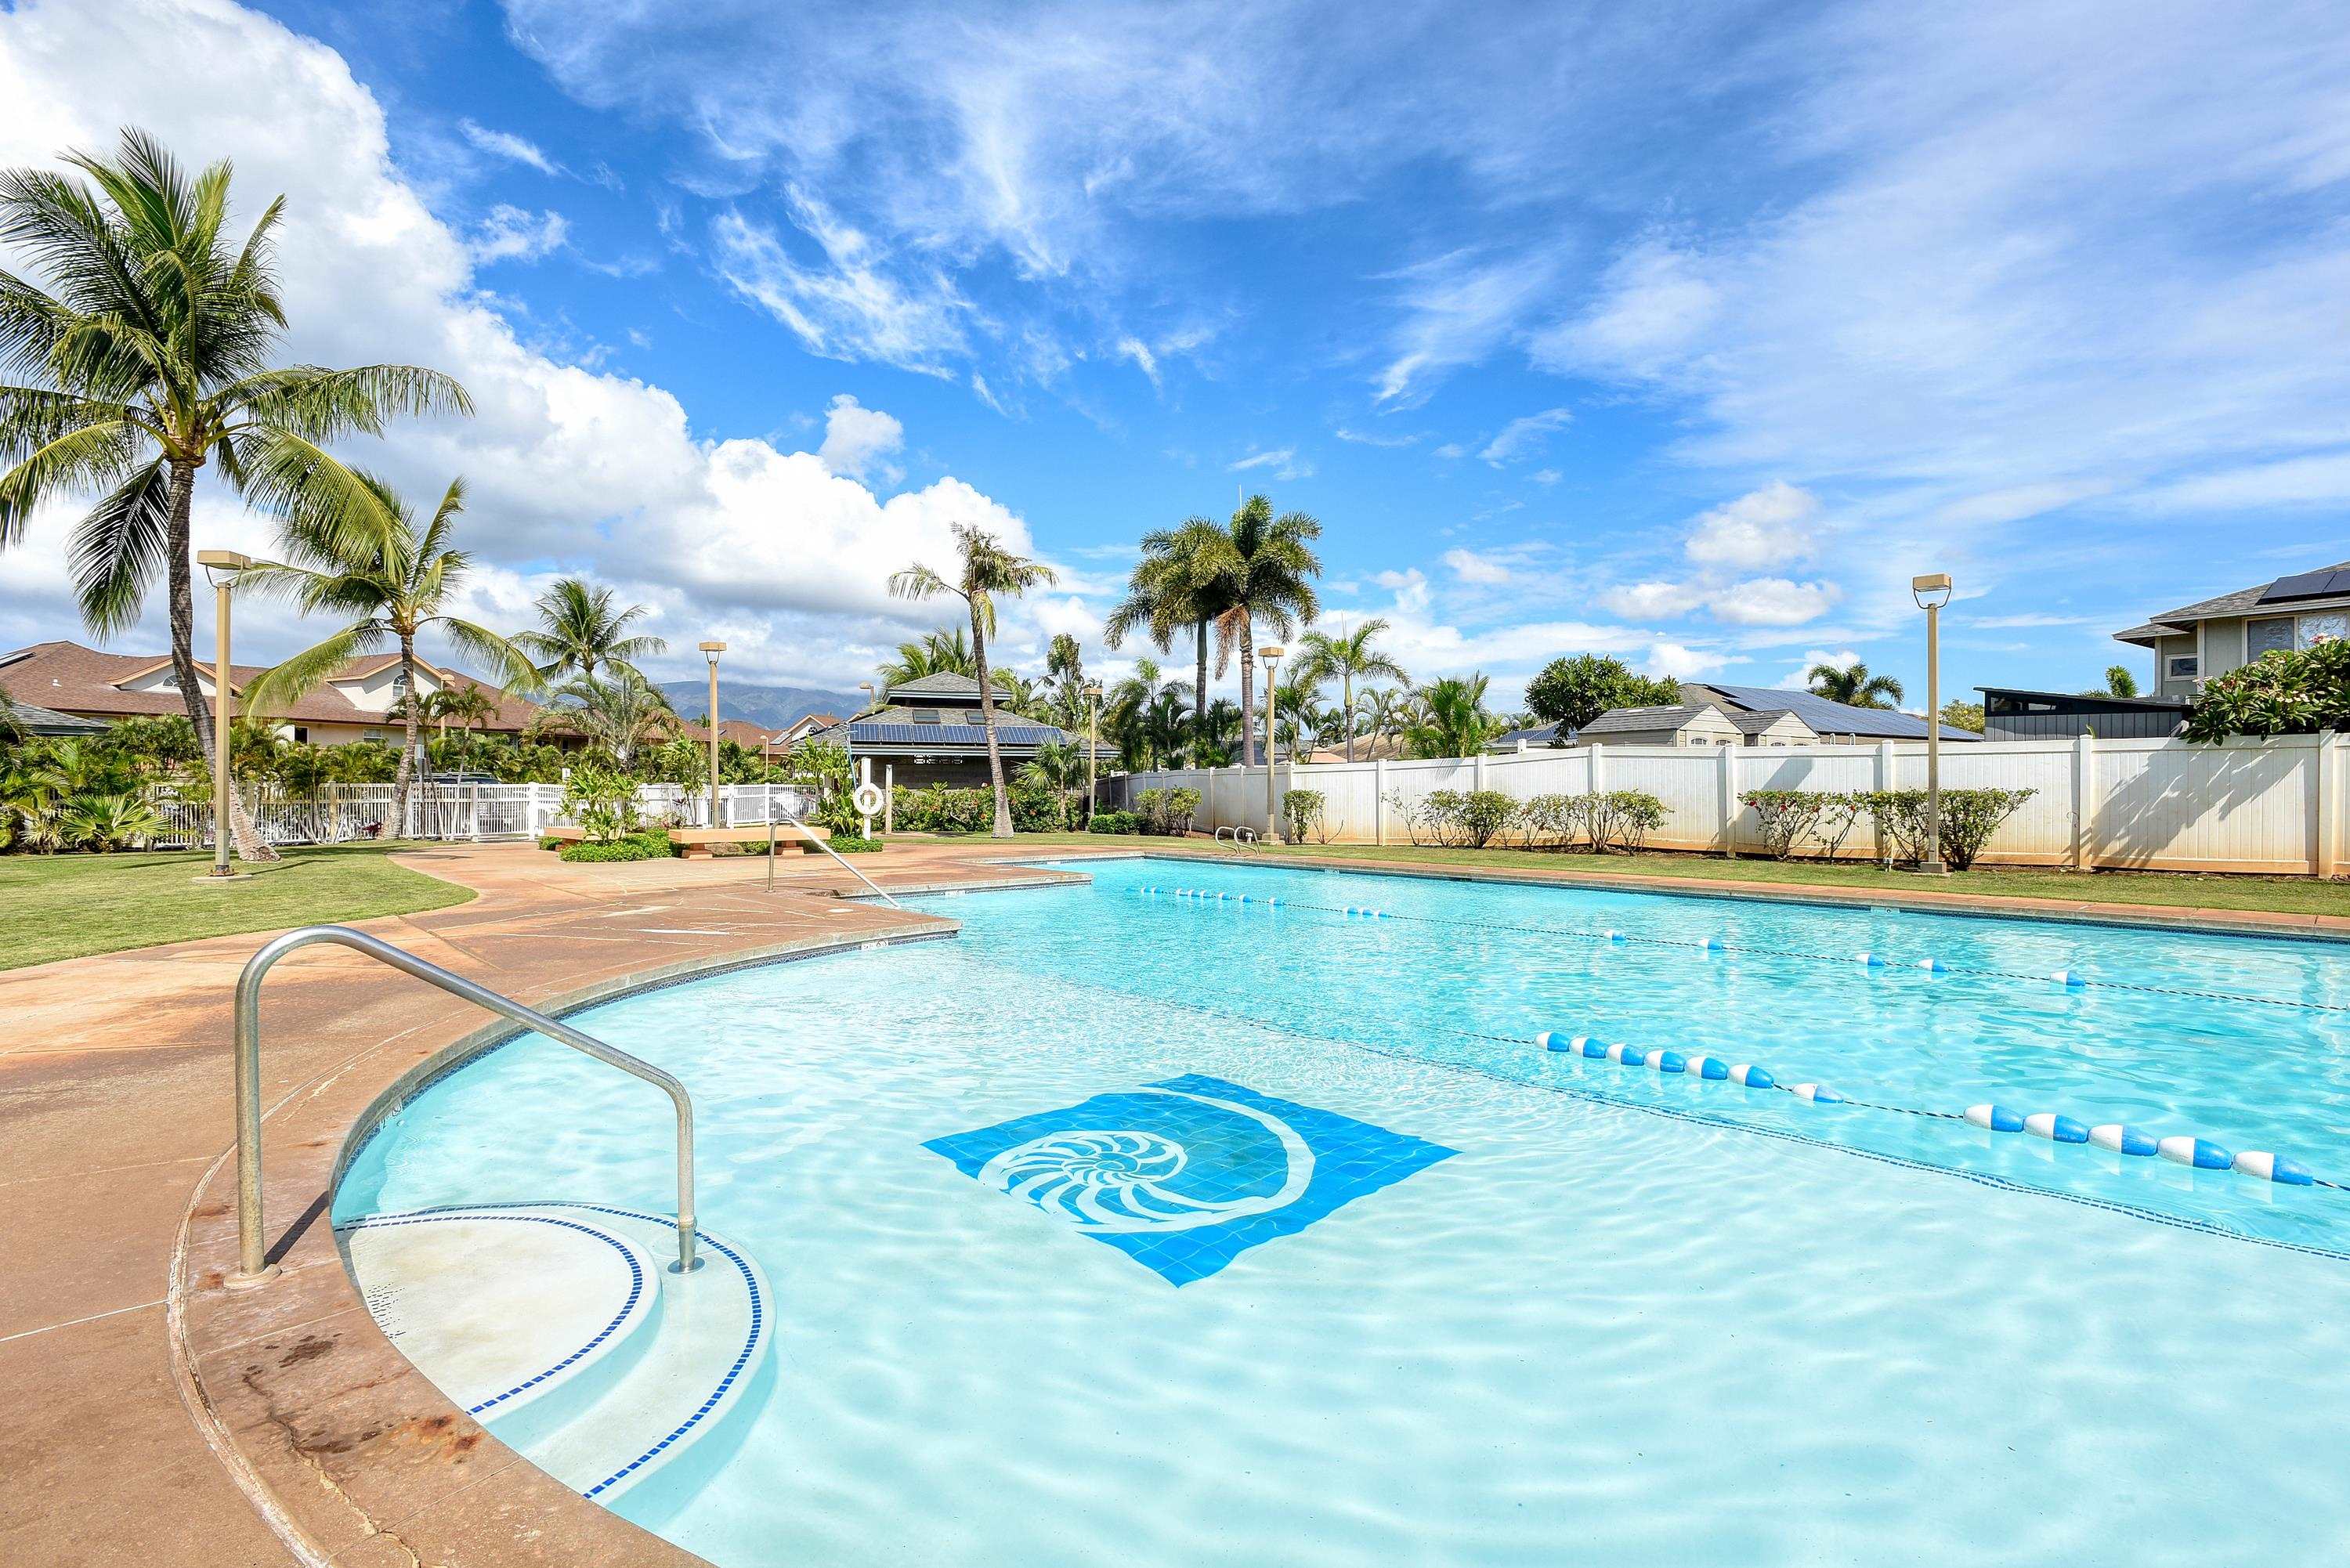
(120, 548)
(283, 684)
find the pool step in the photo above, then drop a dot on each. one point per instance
(561, 1328)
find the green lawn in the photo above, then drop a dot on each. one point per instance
(69, 906)
(2278, 894)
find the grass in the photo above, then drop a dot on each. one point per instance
(72, 906)
(2272, 894)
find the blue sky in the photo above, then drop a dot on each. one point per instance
(1686, 332)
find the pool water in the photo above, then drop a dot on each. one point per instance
(1157, 1228)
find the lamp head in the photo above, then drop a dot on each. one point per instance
(222, 564)
(1093, 688)
(711, 650)
(1931, 591)
(1273, 652)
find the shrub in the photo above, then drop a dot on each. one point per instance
(1115, 822)
(2281, 692)
(1556, 819)
(1784, 816)
(850, 843)
(638, 845)
(1301, 812)
(1415, 816)
(1623, 818)
(603, 802)
(1166, 812)
(106, 822)
(1840, 812)
(1970, 817)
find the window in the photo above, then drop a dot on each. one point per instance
(2330, 626)
(974, 718)
(2272, 634)
(2182, 668)
(301, 735)
(926, 716)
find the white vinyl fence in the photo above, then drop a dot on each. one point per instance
(341, 814)
(2275, 806)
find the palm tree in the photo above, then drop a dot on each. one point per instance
(11, 723)
(1451, 720)
(1853, 687)
(618, 712)
(1299, 716)
(988, 569)
(1059, 768)
(579, 630)
(1383, 712)
(1123, 712)
(152, 359)
(1346, 656)
(395, 580)
(1176, 584)
(944, 653)
(467, 703)
(1265, 573)
(1065, 679)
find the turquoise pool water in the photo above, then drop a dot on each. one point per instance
(1182, 1230)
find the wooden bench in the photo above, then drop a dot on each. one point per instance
(697, 843)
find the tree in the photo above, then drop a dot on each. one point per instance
(988, 570)
(618, 712)
(1852, 685)
(944, 652)
(371, 560)
(2284, 691)
(152, 358)
(1265, 573)
(579, 631)
(1959, 716)
(1451, 719)
(1574, 692)
(1343, 658)
(1383, 711)
(1065, 684)
(1177, 584)
(2119, 683)
(1059, 769)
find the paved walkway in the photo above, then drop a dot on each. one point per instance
(115, 1106)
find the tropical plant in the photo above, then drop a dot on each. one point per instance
(1216, 735)
(1571, 692)
(1062, 689)
(1059, 769)
(1383, 711)
(108, 822)
(580, 631)
(370, 559)
(1852, 685)
(1300, 814)
(1449, 718)
(987, 570)
(152, 359)
(945, 652)
(1344, 657)
(1265, 573)
(1963, 715)
(618, 713)
(1968, 819)
(602, 802)
(1623, 818)
(13, 731)
(1177, 584)
(2119, 683)
(2284, 691)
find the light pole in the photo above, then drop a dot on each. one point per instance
(1093, 742)
(1932, 591)
(711, 650)
(221, 568)
(1272, 654)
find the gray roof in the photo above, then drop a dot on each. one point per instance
(2243, 601)
(1539, 735)
(1827, 718)
(897, 725)
(1616, 720)
(953, 688)
(49, 721)
(1753, 721)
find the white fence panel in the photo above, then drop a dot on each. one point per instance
(2173, 804)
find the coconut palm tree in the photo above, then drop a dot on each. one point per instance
(151, 355)
(580, 630)
(988, 570)
(1265, 573)
(1058, 768)
(619, 711)
(1383, 711)
(1176, 584)
(1343, 658)
(1451, 719)
(1065, 683)
(944, 652)
(1852, 686)
(396, 580)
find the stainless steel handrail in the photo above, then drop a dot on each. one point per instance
(1242, 837)
(828, 848)
(253, 1266)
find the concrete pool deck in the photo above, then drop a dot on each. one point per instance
(157, 1418)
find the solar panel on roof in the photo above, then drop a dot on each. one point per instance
(2315, 585)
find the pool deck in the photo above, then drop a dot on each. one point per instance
(157, 1418)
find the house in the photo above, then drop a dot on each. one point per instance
(930, 731)
(2011, 714)
(1690, 725)
(800, 729)
(742, 733)
(354, 703)
(1837, 723)
(49, 722)
(2195, 642)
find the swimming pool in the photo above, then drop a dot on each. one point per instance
(1169, 1228)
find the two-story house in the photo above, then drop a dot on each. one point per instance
(2195, 642)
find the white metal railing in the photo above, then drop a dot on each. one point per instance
(343, 814)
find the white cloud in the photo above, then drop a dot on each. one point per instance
(569, 469)
(1652, 601)
(1800, 677)
(1450, 450)
(858, 440)
(1456, 308)
(1283, 462)
(506, 145)
(1471, 567)
(1652, 306)
(1773, 601)
(850, 306)
(1764, 527)
(1678, 662)
(1524, 436)
(1135, 349)
(1370, 437)
(513, 233)
(1545, 476)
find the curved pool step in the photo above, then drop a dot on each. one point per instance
(561, 1328)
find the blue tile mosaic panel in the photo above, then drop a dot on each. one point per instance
(1185, 1175)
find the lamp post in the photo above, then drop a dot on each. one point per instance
(1093, 742)
(1272, 653)
(711, 650)
(221, 568)
(1932, 591)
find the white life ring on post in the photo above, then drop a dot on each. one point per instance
(867, 799)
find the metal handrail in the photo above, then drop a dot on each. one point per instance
(828, 848)
(253, 1266)
(1242, 837)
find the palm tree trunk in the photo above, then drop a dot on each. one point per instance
(1248, 700)
(1346, 713)
(1200, 696)
(987, 723)
(407, 770)
(182, 593)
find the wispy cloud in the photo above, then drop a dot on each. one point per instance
(850, 305)
(513, 233)
(1524, 436)
(1282, 463)
(506, 145)
(1374, 438)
